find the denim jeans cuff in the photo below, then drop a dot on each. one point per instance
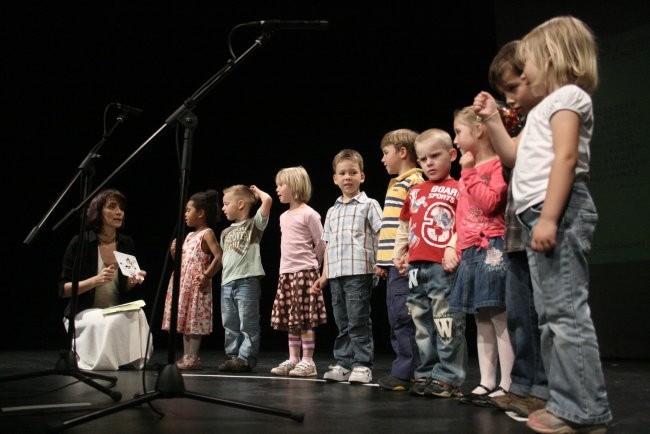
(540, 392)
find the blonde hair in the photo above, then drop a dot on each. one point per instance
(298, 181)
(435, 135)
(348, 154)
(571, 46)
(243, 192)
(402, 138)
(467, 116)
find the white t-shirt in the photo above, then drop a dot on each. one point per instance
(535, 153)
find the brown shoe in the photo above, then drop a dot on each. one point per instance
(546, 422)
(235, 365)
(503, 402)
(525, 406)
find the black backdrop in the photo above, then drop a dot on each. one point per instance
(301, 98)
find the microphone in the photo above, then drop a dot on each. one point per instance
(272, 25)
(128, 109)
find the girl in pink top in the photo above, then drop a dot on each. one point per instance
(295, 309)
(479, 285)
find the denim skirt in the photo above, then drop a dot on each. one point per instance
(481, 278)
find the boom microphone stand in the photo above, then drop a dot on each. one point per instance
(170, 382)
(67, 363)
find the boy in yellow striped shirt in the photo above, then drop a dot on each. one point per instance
(399, 158)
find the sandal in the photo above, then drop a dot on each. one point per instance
(498, 389)
(486, 400)
(189, 364)
(481, 400)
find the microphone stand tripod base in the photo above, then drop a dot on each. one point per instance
(170, 384)
(67, 365)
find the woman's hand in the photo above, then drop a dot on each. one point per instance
(137, 278)
(106, 275)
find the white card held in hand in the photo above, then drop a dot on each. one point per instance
(128, 265)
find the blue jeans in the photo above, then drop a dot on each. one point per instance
(528, 374)
(402, 329)
(440, 335)
(568, 338)
(240, 316)
(354, 345)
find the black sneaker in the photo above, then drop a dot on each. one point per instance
(420, 385)
(441, 389)
(392, 383)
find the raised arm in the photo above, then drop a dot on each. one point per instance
(485, 107)
(265, 198)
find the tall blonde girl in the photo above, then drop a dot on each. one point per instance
(553, 202)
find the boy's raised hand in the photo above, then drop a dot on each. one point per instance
(484, 104)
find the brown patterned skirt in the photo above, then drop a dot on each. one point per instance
(295, 308)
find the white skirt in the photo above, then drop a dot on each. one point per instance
(106, 342)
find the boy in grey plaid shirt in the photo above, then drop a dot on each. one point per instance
(351, 229)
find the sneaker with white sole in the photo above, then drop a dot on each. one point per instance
(283, 368)
(337, 374)
(304, 369)
(419, 385)
(360, 375)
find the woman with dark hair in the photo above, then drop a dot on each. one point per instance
(104, 342)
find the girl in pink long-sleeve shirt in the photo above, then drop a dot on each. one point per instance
(479, 284)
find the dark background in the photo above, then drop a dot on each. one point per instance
(296, 101)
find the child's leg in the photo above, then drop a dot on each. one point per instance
(190, 359)
(308, 345)
(402, 328)
(306, 367)
(230, 320)
(342, 350)
(294, 348)
(506, 354)
(528, 374)
(194, 345)
(449, 339)
(358, 291)
(486, 346)
(420, 307)
(186, 345)
(247, 297)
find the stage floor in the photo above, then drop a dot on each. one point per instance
(258, 402)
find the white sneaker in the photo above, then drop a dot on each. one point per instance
(360, 375)
(303, 369)
(336, 374)
(283, 368)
